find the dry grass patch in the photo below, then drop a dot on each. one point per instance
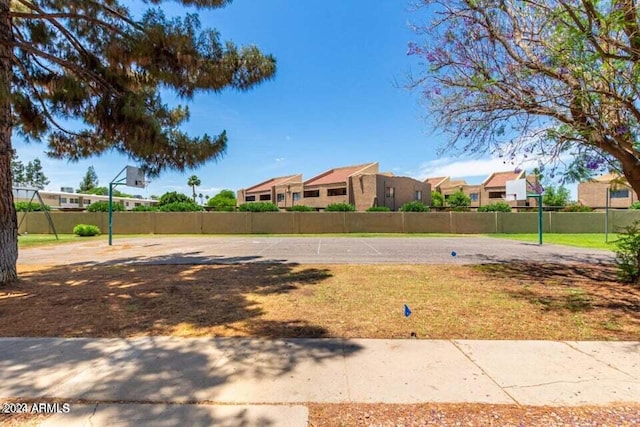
(515, 301)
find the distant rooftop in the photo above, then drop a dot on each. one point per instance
(337, 175)
(266, 185)
(434, 182)
(499, 179)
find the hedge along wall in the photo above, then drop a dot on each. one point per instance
(329, 222)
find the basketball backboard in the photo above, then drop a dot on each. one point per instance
(135, 177)
(516, 189)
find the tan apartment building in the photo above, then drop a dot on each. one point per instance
(594, 193)
(387, 190)
(360, 185)
(333, 186)
(283, 191)
(493, 189)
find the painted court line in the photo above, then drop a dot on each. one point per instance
(319, 244)
(376, 251)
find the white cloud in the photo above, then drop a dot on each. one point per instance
(279, 159)
(467, 168)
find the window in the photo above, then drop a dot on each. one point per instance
(126, 203)
(337, 192)
(63, 200)
(312, 193)
(389, 191)
(265, 197)
(296, 196)
(418, 195)
(250, 199)
(280, 197)
(497, 194)
(619, 194)
(473, 197)
(138, 204)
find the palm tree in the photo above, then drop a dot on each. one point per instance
(201, 197)
(194, 182)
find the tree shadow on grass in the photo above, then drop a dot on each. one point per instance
(146, 301)
(567, 286)
(188, 299)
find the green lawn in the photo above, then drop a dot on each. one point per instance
(30, 240)
(583, 240)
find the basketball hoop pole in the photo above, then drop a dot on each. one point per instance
(111, 185)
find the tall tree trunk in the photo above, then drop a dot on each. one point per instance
(8, 219)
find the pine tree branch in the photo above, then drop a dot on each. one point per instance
(78, 70)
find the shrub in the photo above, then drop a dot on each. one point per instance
(143, 208)
(576, 208)
(459, 201)
(635, 205)
(437, 199)
(174, 197)
(495, 207)
(180, 207)
(414, 206)
(30, 207)
(258, 207)
(301, 208)
(85, 230)
(223, 201)
(103, 206)
(378, 209)
(628, 254)
(340, 207)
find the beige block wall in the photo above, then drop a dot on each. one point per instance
(374, 222)
(177, 222)
(274, 223)
(330, 222)
(134, 223)
(321, 222)
(226, 222)
(426, 222)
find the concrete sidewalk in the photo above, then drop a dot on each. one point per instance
(243, 371)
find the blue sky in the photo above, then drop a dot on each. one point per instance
(336, 100)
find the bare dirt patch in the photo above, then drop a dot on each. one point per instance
(500, 301)
(469, 415)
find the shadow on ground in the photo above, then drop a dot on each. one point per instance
(156, 370)
(563, 286)
(189, 299)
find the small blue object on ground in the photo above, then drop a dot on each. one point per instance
(453, 253)
(407, 311)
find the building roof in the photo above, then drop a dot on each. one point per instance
(268, 184)
(499, 179)
(610, 177)
(436, 181)
(337, 175)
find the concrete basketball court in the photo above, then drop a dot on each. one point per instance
(306, 250)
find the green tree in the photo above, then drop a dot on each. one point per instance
(194, 182)
(174, 197)
(34, 176)
(225, 200)
(437, 199)
(459, 201)
(97, 65)
(555, 196)
(89, 182)
(540, 79)
(17, 170)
